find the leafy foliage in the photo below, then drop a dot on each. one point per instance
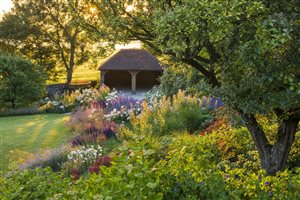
(246, 50)
(176, 78)
(179, 113)
(189, 167)
(33, 184)
(50, 35)
(21, 82)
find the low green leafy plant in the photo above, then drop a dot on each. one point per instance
(33, 184)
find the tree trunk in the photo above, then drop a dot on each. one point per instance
(273, 157)
(13, 104)
(71, 65)
(280, 151)
(69, 77)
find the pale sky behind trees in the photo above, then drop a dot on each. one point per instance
(5, 6)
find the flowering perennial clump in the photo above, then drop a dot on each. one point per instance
(71, 100)
(49, 106)
(86, 97)
(154, 93)
(119, 107)
(87, 154)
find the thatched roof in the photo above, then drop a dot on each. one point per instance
(132, 59)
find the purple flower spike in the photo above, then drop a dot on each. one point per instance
(120, 101)
(267, 183)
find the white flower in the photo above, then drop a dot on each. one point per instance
(86, 154)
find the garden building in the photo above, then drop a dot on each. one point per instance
(131, 69)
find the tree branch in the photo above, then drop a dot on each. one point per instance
(209, 75)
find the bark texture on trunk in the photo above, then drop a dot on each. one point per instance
(280, 150)
(273, 157)
(70, 68)
(69, 78)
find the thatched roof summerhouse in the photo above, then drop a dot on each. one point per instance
(131, 68)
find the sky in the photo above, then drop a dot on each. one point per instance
(5, 5)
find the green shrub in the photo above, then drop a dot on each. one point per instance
(33, 184)
(194, 169)
(193, 116)
(21, 82)
(294, 158)
(179, 77)
(190, 162)
(128, 178)
(31, 110)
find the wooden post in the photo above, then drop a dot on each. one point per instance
(133, 81)
(102, 77)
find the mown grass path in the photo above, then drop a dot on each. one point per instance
(21, 136)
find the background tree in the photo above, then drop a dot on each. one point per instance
(18, 35)
(179, 76)
(248, 51)
(47, 32)
(21, 82)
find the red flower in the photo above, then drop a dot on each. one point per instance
(101, 161)
(94, 169)
(75, 174)
(104, 161)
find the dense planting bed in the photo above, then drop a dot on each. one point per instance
(23, 135)
(182, 147)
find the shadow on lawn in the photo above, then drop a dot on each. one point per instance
(24, 136)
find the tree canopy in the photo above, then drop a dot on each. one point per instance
(21, 82)
(248, 51)
(48, 33)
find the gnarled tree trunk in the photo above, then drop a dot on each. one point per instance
(273, 157)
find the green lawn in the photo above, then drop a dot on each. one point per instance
(21, 136)
(84, 72)
(81, 74)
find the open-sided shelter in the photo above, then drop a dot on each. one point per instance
(131, 68)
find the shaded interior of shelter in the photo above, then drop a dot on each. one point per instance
(121, 80)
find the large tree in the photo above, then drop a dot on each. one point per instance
(248, 51)
(18, 35)
(21, 82)
(47, 32)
